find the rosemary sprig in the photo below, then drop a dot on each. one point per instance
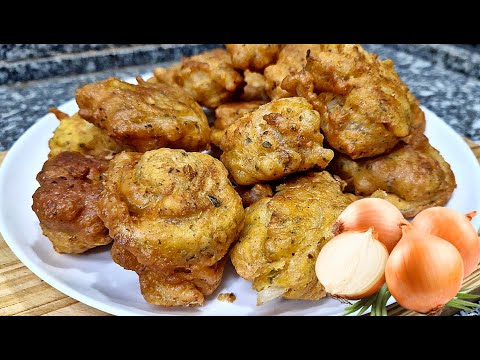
(463, 301)
(378, 302)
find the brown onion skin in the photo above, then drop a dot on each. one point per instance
(423, 272)
(372, 212)
(438, 221)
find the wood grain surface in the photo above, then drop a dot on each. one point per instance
(23, 293)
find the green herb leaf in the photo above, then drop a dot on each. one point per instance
(377, 301)
(462, 295)
(214, 201)
(266, 144)
(365, 307)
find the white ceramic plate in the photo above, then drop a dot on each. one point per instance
(96, 280)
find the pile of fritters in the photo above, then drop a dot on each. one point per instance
(300, 131)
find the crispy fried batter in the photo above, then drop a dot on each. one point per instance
(166, 75)
(181, 286)
(75, 134)
(279, 138)
(227, 114)
(145, 116)
(248, 255)
(255, 57)
(418, 121)
(66, 202)
(227, 297)
(59, 114)
(365, 108)
(412, 177)
(208, 77)
(173, 216)
(283, 236)
(255, 88)
(251, 195)
(291, 60)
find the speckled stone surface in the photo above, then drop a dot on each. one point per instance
(16, 52)
(60, 60)
(451, 94)
(445, 78)
(462, 58)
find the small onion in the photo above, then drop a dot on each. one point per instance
(454, 227)
(424, 272)
(352, 265)
(380, 214)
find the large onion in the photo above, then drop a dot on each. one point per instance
(380, 214)
(454, 227)
(423, 272)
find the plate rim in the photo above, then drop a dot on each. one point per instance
(44, 275)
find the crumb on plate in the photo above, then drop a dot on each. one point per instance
(227, 297)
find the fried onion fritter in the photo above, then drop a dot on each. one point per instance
(255, 57)
(166, 75)
(146, 116)
(66, 202)
(255, 87)
(208, 77)
(291, 60)
(412, 177)
(250, 195)
(227, 114)
(365, 107)
(181, 287)
(173, 216)
(283, 236)
(75, 134)
(279, 138)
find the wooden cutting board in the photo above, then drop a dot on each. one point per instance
(23, 293)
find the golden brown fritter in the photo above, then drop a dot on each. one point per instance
(181, 286)
(283, 236)
(291, 60)
(166, 75)
(59, 114)
(418, 121)
(250, 195)
(145, 116)
(412, 177)
(364, 106)
(75, 134)
(279, 138)
(227, 114)
(248, 256)
(173, 216)
(208, 77)
(66, 202)
(255, 57)
(255, 87)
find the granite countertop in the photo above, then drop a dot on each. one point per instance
(445, 78)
